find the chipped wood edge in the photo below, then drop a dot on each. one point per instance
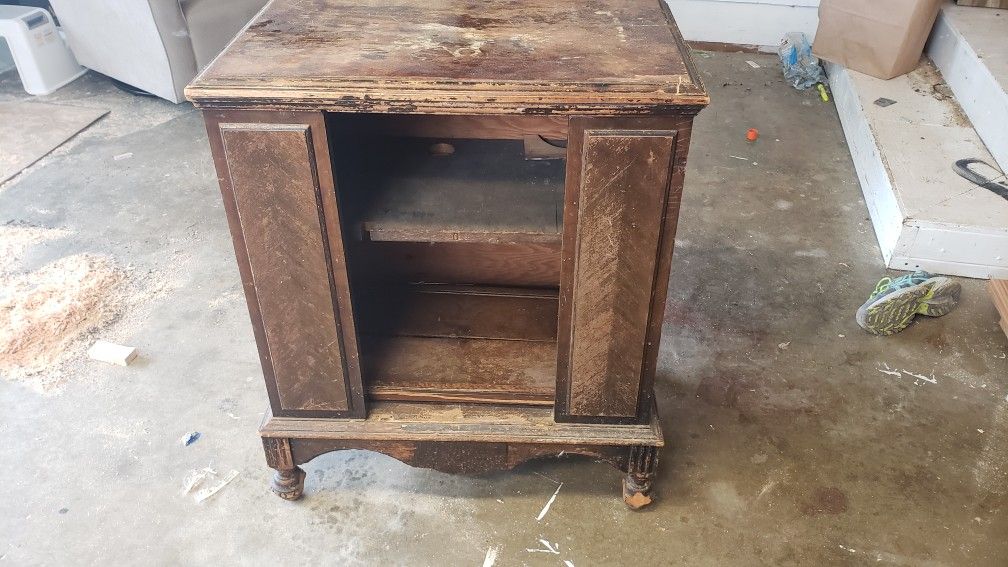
(330, 100)
(552, 433)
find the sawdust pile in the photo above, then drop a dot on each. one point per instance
(50, 315)
(16, 238)
(45, 312)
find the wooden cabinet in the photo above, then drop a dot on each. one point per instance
(420, 282)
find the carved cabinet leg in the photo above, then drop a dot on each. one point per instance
(288, 482)
(640, 473)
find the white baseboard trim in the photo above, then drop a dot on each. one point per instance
(761, 23)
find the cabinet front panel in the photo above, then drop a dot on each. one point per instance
(273, 174)
(621, 202)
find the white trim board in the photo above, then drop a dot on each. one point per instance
(970, 47)
(925, 216)
(745, 22)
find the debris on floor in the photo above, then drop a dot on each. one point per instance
(197, 478)
(547, 547)
(215, 488)
(542, 514)
(189, 438)
(898, 373)
(823, 93)
(801, 68)
(491, 557)
(942, 91)
(42, 313)
(49, 316)
(884, 102)
(15, 239)
(104, 351)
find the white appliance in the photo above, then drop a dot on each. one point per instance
(41, 57)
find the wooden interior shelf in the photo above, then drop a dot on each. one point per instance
(460, 370)
(485, 191)
(460, 343)
(459, 311)
(525, 265)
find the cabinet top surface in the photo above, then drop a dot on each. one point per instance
(456, 56)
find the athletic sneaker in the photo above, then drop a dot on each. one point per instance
(895, 302)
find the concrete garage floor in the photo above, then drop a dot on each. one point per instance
(788, 444)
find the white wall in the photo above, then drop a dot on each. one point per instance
(745, 22)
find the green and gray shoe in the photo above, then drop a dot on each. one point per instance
(895, 302)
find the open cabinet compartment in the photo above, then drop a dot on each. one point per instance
(453, 238)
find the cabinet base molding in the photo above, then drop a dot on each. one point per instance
(502, 439)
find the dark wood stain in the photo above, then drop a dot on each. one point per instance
(462, 370)
(618, 253)
(459, 311)
(453, 312)
(278, 194)
(445, 58)
(529, 264)
(272, 173)
(625, 175)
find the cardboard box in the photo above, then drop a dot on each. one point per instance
(984, 3)
(881, 39)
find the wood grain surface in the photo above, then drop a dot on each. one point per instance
(449, 126)
(532, 265)
(271, 170)
(457, 311)
(467, 370)
(473, 458)
(440, 421)
(620, 209)
(447, 57)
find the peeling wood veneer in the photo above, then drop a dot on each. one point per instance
(442, 57)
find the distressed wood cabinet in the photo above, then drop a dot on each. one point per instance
(419, 281)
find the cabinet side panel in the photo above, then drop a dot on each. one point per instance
(621, 204)
(273, 175)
